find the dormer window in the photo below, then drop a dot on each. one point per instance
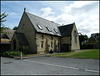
(48, 29)
(55, 30)
(39, 27)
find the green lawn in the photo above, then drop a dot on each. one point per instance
(62, 54)
(87, 53)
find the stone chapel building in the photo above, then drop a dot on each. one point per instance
(42, 35)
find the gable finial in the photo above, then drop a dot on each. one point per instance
(24, 9)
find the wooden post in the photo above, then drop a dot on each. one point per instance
(21, 55)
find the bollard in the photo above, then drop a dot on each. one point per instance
(21, 55)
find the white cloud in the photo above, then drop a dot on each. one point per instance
(66, 18)
(46, 11)
(84, 13)
(55, 4)
(80, 4)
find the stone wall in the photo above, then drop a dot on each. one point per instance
(46, 43)
(75, 41)
(65, 40)
(26, 27)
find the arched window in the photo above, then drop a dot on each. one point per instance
(51, 41)
(75, 36)
(14, 45)
(58, 44)
(41, 41)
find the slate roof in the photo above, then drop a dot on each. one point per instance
(96, 36)
(44, 23)
(21, 37)
(9, 33)
(4, 36)
(66, 29)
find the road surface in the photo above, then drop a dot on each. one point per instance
(42, 65)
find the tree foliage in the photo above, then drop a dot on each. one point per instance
(82, 38)
(24, 49)
(2, 19)
(15, 28)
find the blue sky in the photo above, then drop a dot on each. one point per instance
(84, 13)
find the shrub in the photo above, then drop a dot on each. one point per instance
(86, 45)
(11, 53)
(24, 49)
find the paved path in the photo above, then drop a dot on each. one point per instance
(43, 65)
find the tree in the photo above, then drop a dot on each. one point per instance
(82, 38)
(15, 28)
(83, 41)
(2, 19)
(2, 16)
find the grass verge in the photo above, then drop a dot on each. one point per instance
(87, 53)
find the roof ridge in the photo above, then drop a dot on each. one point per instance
(68, 24)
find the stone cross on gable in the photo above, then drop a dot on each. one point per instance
(24, 9)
